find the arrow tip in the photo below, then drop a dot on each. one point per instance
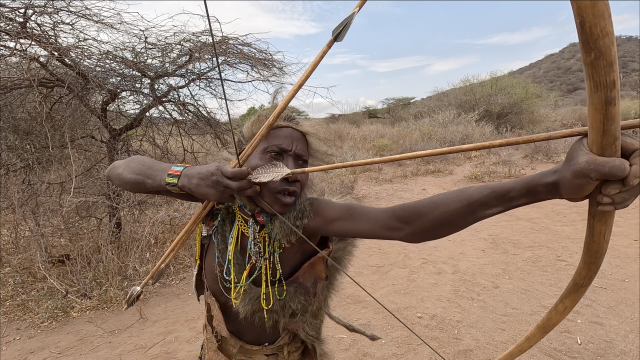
(340, 31)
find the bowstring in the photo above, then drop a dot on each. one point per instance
(350, 277)
(224, 94)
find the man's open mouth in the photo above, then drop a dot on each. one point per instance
(287, 196)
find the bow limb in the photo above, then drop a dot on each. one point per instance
(599, 55)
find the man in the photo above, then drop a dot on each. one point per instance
(266, 289)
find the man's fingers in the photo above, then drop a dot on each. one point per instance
(624, 204)
(255, 190)
(613, 187)
(238, 185)
(603, 199)
(625, 198)
(633, 178)
(616, 200)
(233, 173)
(602, 168)
(629, 145)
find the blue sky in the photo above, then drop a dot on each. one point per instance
(403, 48)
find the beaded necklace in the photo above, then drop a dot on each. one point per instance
(263, 256)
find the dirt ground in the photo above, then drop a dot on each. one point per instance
(470, 296)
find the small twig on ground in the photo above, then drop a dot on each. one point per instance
(55, 352)
(141, 316)
(3, 331)
(174, 339)
(96, 346)
(161, 340)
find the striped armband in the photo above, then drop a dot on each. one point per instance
(171, 181)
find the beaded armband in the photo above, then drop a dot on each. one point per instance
(171, 181)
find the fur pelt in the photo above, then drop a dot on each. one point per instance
(298, 312)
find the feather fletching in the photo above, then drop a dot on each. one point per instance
(271, 172)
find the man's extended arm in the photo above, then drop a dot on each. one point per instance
(437, 216)
(214, 182)
(445, 214)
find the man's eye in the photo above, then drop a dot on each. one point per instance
(275, 155)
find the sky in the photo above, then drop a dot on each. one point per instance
(401, 48)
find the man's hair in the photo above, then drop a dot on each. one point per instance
(317, 155)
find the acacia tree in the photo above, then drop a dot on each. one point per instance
(126, 78)
(394, 105)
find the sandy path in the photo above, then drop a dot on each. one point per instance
(471, 295)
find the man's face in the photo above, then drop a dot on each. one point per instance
(289, 147)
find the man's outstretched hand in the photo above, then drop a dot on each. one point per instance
(582, 171)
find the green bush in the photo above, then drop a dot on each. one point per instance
(291, 112)
(250, 113)
(503, 100)
(383, 146)
(393, 106)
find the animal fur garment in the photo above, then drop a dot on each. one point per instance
(306, 303)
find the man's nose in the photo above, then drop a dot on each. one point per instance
(293, 178)
(290, 163)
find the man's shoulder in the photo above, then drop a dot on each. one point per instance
(324, 209)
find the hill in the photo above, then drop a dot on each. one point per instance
(563, 72)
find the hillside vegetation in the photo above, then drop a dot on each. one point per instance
(563, 72)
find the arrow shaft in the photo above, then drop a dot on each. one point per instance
(197, 217)
(287, 99)
(555, 135)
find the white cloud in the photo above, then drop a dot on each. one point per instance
(625, 22)
(448, 64)
(517, 37)
(434, 65)
(318, 108)
(274, 18)
(344, 59)
(352, 72)
(398, 63)
(346, 72)
(382, 65)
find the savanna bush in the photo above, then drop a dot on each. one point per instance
(503, 100)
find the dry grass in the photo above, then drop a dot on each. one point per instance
(630, 109)
(57, 259)
(93, 275)
(499, 164)
(97, 275)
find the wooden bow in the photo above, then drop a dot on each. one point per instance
(599, 55)
(598, 45)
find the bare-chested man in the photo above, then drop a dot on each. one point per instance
(235, 326)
